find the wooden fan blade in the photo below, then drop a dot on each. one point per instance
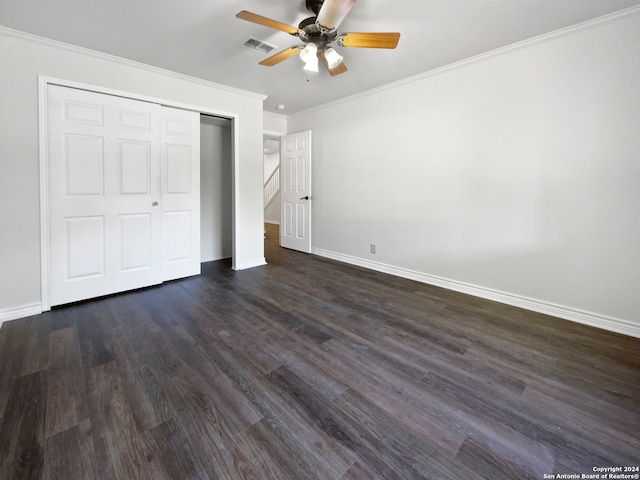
(333, 12)
(369, 40)
(336, 70)
(267, 22)
(280, 57)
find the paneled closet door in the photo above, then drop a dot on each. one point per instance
(104, 194)
(180, 193)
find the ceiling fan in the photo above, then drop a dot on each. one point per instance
(319, 32)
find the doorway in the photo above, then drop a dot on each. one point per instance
(216, 194)
(271, 173)
(295, 181)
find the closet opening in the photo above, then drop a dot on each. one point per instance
(216, 188)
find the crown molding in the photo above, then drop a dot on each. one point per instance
(274, 115)
(11, 33)
(627, 12)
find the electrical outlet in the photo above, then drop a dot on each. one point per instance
(373, 248)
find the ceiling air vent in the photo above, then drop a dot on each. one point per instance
(259, 45)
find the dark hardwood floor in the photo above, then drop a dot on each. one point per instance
(310, 369)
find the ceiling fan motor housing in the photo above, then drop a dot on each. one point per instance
(312, 32)
(314, 6)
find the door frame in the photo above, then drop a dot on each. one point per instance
(43, 82)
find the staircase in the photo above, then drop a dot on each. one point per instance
(271, 187)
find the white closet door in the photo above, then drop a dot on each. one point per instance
(104, 192)
(180, 193)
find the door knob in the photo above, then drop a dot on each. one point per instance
(154, 204)
(306, 197)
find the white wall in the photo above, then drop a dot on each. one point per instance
(216, 179)
(274, 124)
(515, 176)
(23, 58)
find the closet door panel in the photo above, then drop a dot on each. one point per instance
(104, 180)
(180, 192)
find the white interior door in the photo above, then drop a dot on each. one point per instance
(104, 180)
(295, 191)
(124, 194)
(180, 193)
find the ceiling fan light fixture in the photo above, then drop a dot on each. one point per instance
(311, 65)
(308, 52)
(309, 56)
(333, 58)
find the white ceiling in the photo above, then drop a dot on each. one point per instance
(204, 39)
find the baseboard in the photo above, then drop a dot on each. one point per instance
(21, 312)
(256, 262)
(272, 222)
(612, 324)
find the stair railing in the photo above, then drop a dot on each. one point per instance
(271, 187)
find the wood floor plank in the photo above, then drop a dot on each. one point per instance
(559, 397)
(146, 397)
(176, 453)
(317, 375)
(516, 417)
(580, 418)
(287, 459)
(452, 424)
(121, 449)
(487, 464)
(420, 353)
(360, 472)
(422, 458)
(66, 394)
(70, 454)
(95, 342)
(377, 443)
(403, 400)
(217, 448)
(24, 348)
(300, 435)
(22, 429)
(149, 402)
(202, 384)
